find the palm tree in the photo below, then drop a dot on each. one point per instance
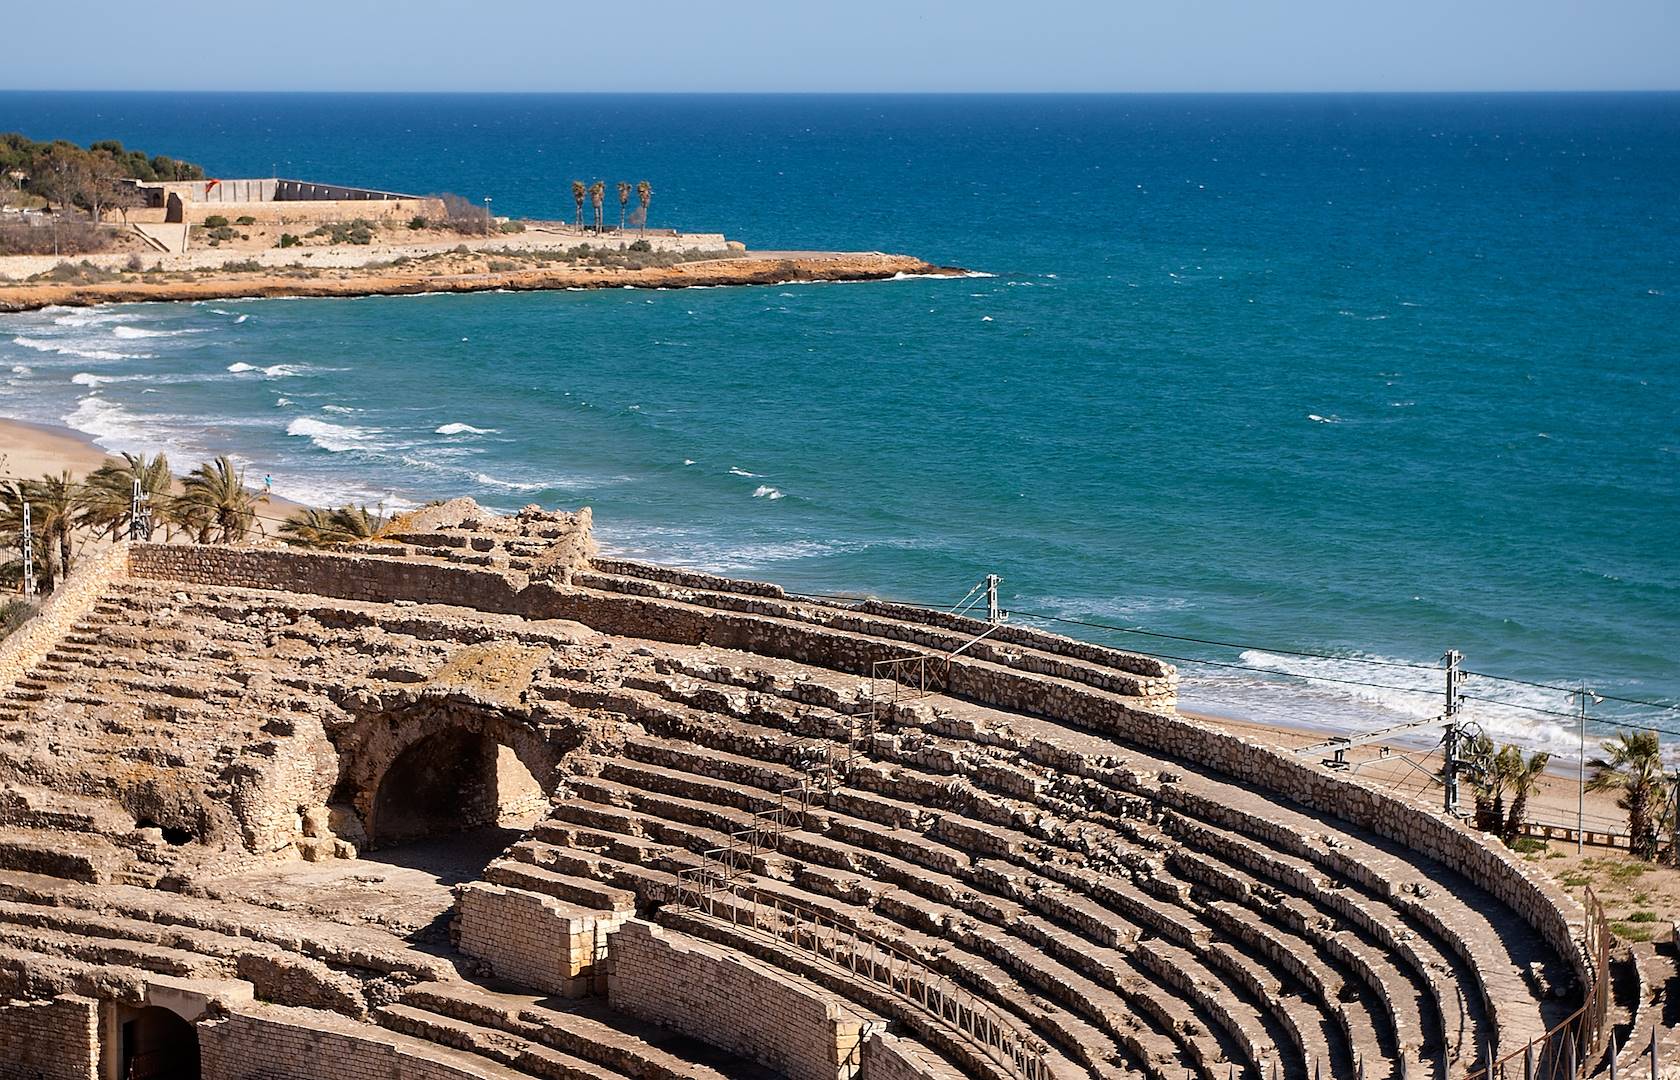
(1524, 777)
(108, 491)
(579, 193)
(623, 202)
(1632, 765)
(214, 504)
(597, 195)
(55, 504)
(644, 195)
(1487, 783)
(326, 528)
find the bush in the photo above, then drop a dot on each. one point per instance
(288, 240)
(62, 238)
(221, 232)
(417, 222)
(359, 231)
(242, 266)
(511, 227)
(82, 273)
(640, 246)
(215, 221)
(500, 266)
(245, 219)
(1528, 845)
(135, 263)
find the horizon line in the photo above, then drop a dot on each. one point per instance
(869, 93)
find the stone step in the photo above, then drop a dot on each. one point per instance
(528, 1057)
(76, 856)
(525, 871)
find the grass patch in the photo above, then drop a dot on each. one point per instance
(1642, 917)
(1628, 871)
(1630, 932)
(1528, 845)
(1575, 881)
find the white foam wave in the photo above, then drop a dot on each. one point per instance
(733, 471)
(1324, 419)
(66, 349)
(112, 426)
(463, 429)
(142, 332)
(281, 371)
(765, 491)
(93, 318)
(84, 378)
(344, 409)
(241, 367)
(507, 485)
(335, 438)
(20, 369)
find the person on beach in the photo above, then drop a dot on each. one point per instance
(268, 484)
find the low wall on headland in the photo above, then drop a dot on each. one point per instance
(1527, 891)
(306, 213)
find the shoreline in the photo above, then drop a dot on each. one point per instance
(753, 268)
(33, 449)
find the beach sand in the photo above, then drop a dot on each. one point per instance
(1625, 887)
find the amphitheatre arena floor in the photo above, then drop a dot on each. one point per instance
(477, 803)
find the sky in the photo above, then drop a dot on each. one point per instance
(847, 45)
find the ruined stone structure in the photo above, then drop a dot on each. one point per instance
(277, 201)
(725, 832)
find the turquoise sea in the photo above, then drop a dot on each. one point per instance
(1361, 376)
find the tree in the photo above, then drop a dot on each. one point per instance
(326, 528)
(1487, 783)
(644, 196)
(54, 507)
(122, 196)
(580, 191)
(624, 190)
(597, 195)
(1632, 765)
(1524, 777)
(108, 491)
(214, 504)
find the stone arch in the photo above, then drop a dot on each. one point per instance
(441, 764)
(155, 1043)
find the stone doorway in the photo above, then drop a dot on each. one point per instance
(453, 781)
(156, 1044)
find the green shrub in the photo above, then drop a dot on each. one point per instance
(244, 219)
(417, 222)
(243, 266)
(215, 221)
(1643, 916)
(221, 232)
(288, 240)
(500, 266)
(640, 245)
(1527, 845)
(511, 227)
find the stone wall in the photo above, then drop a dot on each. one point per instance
(49, 1040)
(29, 644)
(887, 1057)
(308, 213)
(1529, 892)
(302, 1044)
(532, 940)
(732, 1001)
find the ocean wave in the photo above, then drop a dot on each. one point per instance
(342, 409)
(508, 485)
(112, 426)
(463, 429)
(334, 438)
(241, 367)
(1317, 419)
(93, 318)
(20, 369)
(273, 371)
(67, 349)
(765, 491)
(733, 471)
(141, 332)
(88, 379)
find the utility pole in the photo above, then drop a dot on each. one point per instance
(28, 553)
(994, 614)
(1583, 697)
(139, 514)
(1455, 702)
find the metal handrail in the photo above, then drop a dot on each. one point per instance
(1569, 1048)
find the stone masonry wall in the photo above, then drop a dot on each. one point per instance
(531, 939)
(49, 1040)
(887, 1057)
(301, 1044)
(730, 1000)
(29, 644)
(1527, 891)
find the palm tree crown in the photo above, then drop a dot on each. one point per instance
(1632, 765)
(214, 504)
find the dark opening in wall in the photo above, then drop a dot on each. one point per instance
(158, 1045)
(173, 836)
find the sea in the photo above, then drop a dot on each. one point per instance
(1299, 391)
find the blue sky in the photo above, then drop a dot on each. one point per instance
(847, 45)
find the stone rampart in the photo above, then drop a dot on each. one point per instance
(1527, 891)
(49, 1040)
(29, 644)
(887, 1057)
(309, 213)
(732, 1000)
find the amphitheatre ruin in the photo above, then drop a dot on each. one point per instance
(475, 802)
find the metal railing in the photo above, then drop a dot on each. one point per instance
(865, 956)
(1568, 1050)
